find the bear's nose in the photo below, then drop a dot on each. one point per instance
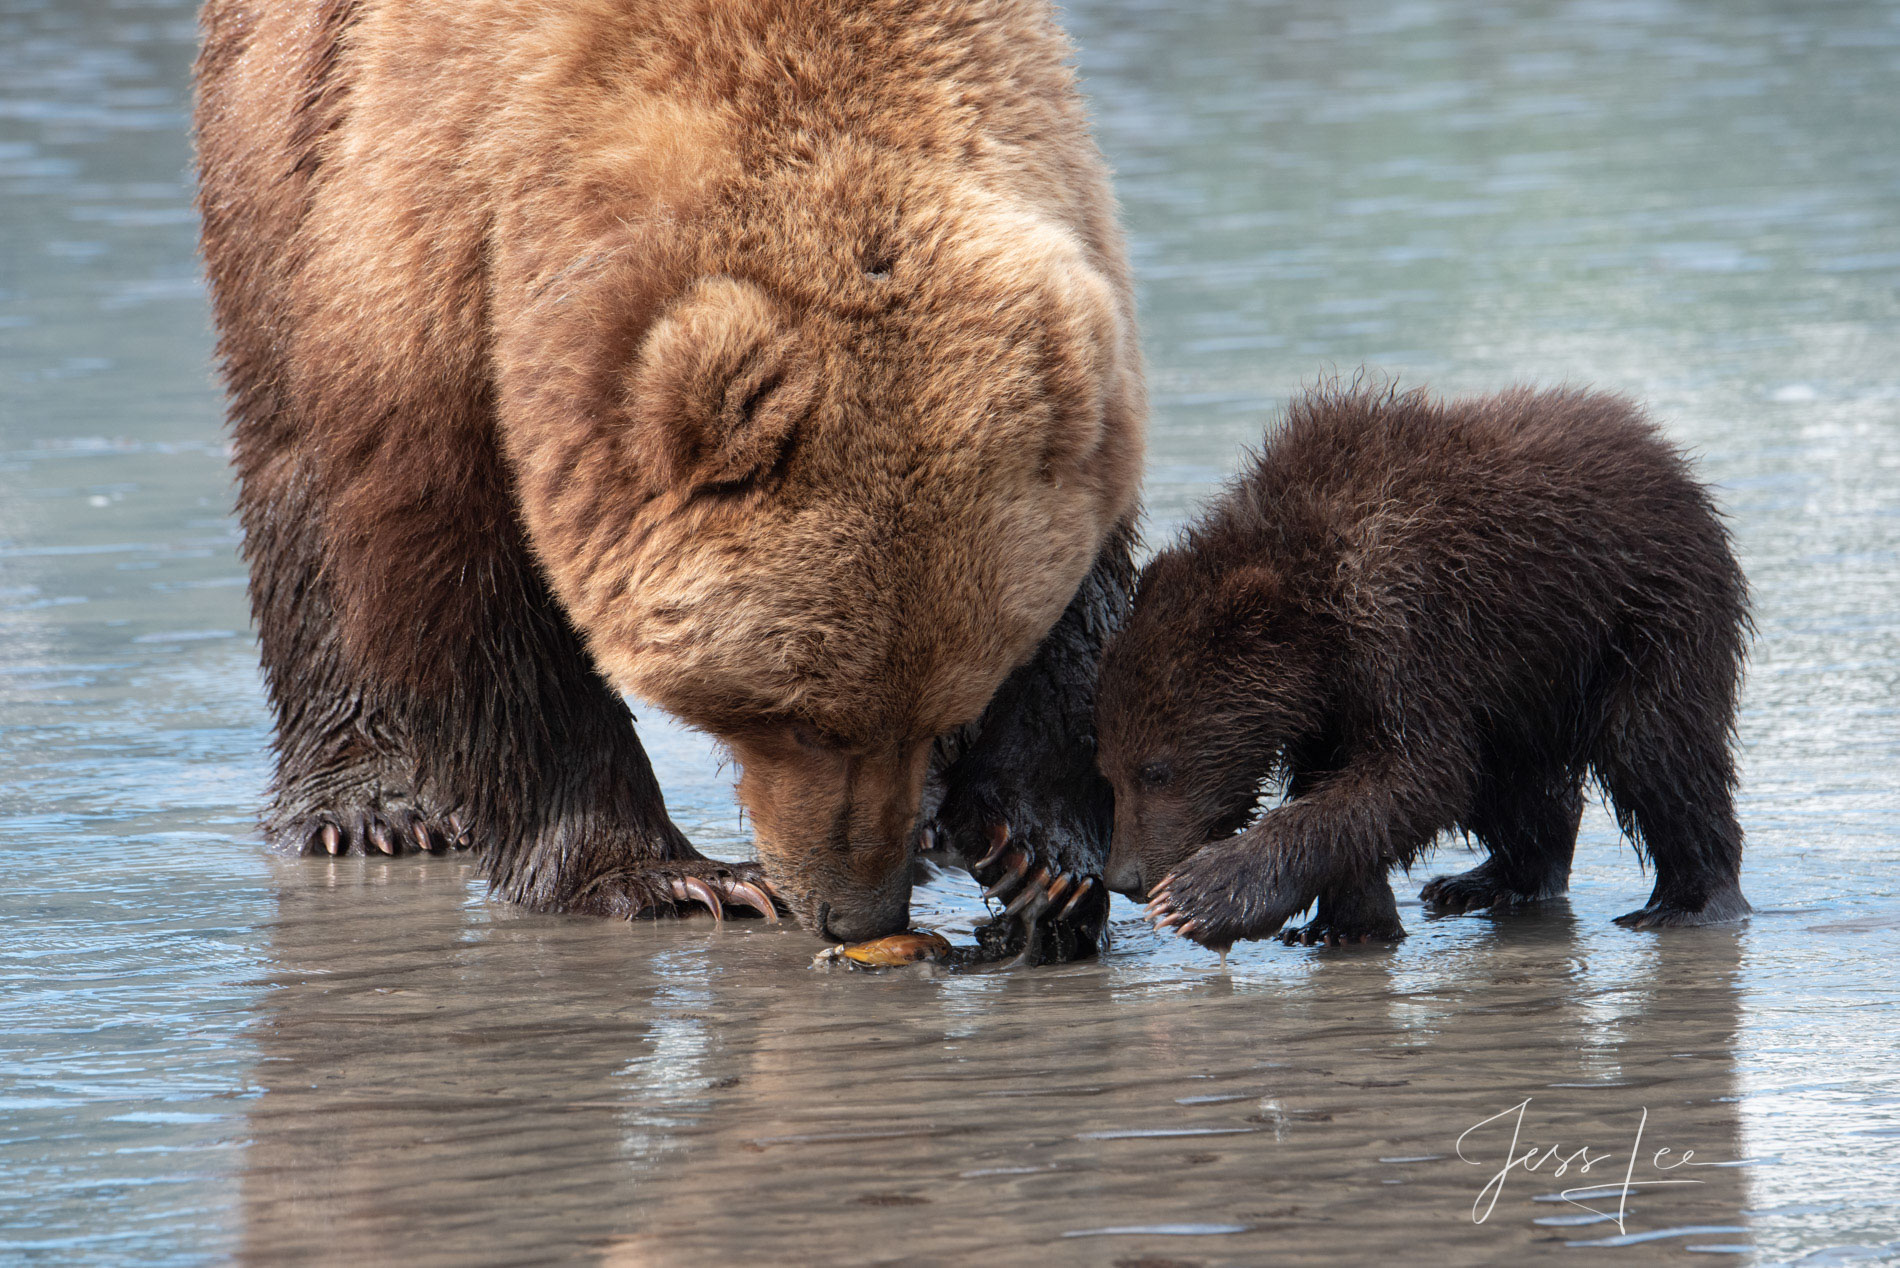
(844, 922)
(1123, 875)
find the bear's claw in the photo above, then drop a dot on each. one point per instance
(1484, 887)
(1037, 899)
(1724, 907)
(1320, 933)
(389, 832)
(679, 887)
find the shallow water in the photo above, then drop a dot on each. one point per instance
(209, 1053)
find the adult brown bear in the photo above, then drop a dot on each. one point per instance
(771, 360)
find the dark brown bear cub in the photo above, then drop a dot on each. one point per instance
(1417, 617)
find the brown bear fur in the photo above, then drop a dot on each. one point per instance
(1419, 617)
(771, 360)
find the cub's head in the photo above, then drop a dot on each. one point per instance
(871, 475)
(1199, 694)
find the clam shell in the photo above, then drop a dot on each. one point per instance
(883, 953)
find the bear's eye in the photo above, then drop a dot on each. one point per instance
(1155, 774)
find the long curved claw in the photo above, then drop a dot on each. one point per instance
(749, 895)
(999, 841)
(379, 834)
(696, 890)
(332, 837)
(1036, 888)
(1010, 879)
(1088, 883)
(428, 839)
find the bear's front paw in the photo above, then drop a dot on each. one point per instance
(1223, 895)
(385, 827)
(1049, 913)
(679, 887)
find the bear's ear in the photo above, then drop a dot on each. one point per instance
(1082, 355)
(1247, 601)
(718, 387)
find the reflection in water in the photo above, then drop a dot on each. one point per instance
(435, 1076)
(205, 1052)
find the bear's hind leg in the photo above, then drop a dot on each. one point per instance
(1666, 765)
(1351, 914)
(1674, 797)
(1529, 827)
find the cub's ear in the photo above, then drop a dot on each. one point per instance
(1247, 600)
(718, 387)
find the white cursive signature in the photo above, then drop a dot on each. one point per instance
(1530, 1158)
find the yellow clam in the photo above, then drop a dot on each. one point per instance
(883, 953)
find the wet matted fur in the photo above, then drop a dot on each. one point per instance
(771, 361)
(1424, 616)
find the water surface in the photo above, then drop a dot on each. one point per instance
(208, 1053)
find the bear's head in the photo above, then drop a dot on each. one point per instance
(873, 475)
(1200, 693)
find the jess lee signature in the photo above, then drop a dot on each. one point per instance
(1559, 1160)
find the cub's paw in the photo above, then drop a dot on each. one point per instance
(1047, 913)
(1351, 915)
(679, 887)
(1226, 894)
(1481, 887)
(1322, 933)
(1724, 907)
(391, 828)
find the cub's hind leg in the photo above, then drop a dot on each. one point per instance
(1671, 779)
(1528, 826)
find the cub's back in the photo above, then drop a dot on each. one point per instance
(1499, 515)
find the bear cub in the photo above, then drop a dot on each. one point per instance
(1419, 616)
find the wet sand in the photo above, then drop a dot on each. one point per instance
(437, 1075)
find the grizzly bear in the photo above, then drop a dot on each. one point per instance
(773, 361)
(1417, 617)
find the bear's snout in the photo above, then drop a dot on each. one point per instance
(834, 828)
(845, 920)
(1123, 873)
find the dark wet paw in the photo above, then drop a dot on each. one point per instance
(1224, 895)
(1724, 908)
(680, 887)
(1046, 913)
(1322, 932)
(1480, 888)
(388, 831)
